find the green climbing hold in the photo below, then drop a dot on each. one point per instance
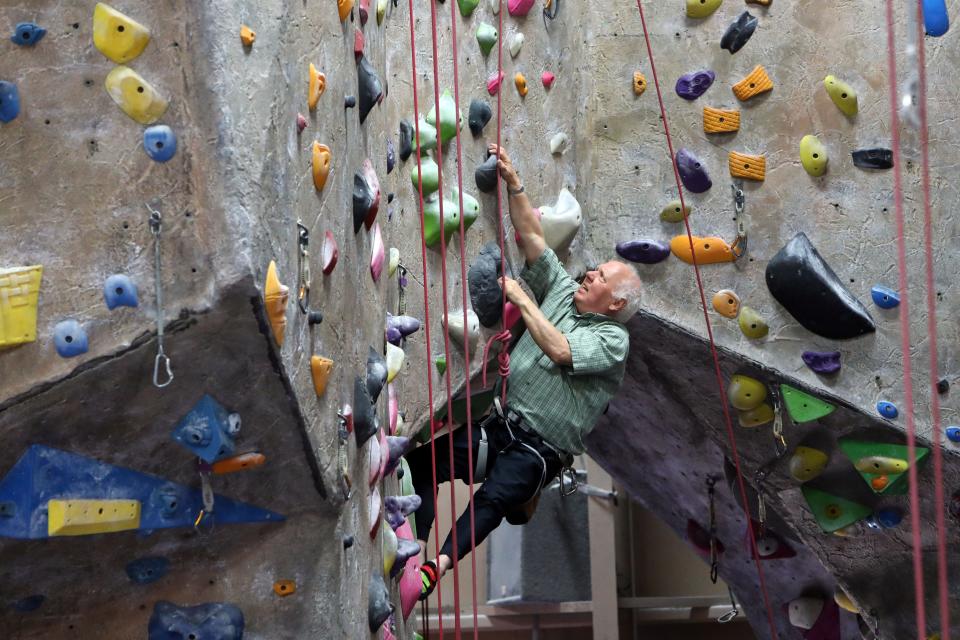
(833, 512)
(428, 135)
(441, 363)
(450, 120)
(674, 212)
(431, 220)
(431, 176)
(467, 7)
(702, 8)
(487, 37)
(471, 208)
(881, 483)
(804, 407)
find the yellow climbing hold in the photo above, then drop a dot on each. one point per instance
(746, 166)
(86, 517)
(639, 83)
(19, 291)
(756, 417)
(710, 250)
(880, 465)
(521, 83)
(746, 393)
(320, 369)
(318, 82)
(275, 297)
(702, 8)
(754, 84)
(726, 303)
(807, 463)
(674, 212)
(395, 358)
(344, 7)
(813, 156)
(247, 35)
(321, 165)
(134, 95)
(117, 36)
(844, 601)
(720, 120)
(842, 95)
(751, 324)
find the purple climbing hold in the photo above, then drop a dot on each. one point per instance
(823, 362)
(397, 446)
(365, 422)
(396, 508)
(399, 327)
(692, 172)
(643, 251)
(691, 86)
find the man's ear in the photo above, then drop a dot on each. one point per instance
(617, 304)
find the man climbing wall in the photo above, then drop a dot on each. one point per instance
(565, 369)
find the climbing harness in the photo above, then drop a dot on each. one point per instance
(714, 550)
(303, 275)
(162, 358)
(739, 245)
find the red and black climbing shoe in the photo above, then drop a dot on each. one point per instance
(429, 577)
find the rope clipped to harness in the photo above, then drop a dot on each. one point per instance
(503, 358)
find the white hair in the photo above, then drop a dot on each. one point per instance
(628, 290)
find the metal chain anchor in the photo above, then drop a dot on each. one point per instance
(303, 275)
(714, 551)
(156, 228)
(739, 246)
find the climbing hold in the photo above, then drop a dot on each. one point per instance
(880, 465)
(207, 430)
(210, 621)
(889, 517)
(397, 508)
(691, 86)
(516, 42)
(804, 612)
(559, 143)
(374, 505)
(406, 549)
(441, 363)
(69, 338)
(936, 21)
(844, 601)
(876, 158)
(756, 82)
(247, 35)
(739, 32)
(275, 296)
(823, 362)
(487, 175)
(639, 83)
(770, 546)
(450, 118)
(842, 95)
(147, 570)
(242, 462)
(284, 588)
(547, 79)
(320, 369)
(800, 280)
(321, 165)
(480, 114)
(486, 295)
(751, 324)
(381, 11)
(428, 172)
(344, 7)
(431, 220)
(519, 8)
(391, 156)
(349, 102)
(461, 333)
(317, 84)
(765, 3)
(428, 136)
(701, 8)
(884, 297)
(486, 37)
(692, 172)
(388, 549)
(27, 34)
(366, 196)
(887, 409)
(397, 447)
(395, 356)
(943, 385)
(467, 7)
(377, 253)
(756, 417)
(369, 87)
(329, 253)
(674, 212)
(379, 607)
(134, 95)
(561, 222)
(393, 404)
(813, 156)
(891, 458)
(804, 407)
(720, 120)
(493, 82)
(643, 251)
(160, 142)
(807, 463)
(471, 208)
(119, 291)
(393, 261)
(521, 82)
(117, 36)
(833, 512)
(406, 140)
(746, 393)
(364, 12)
(746, 166)
(953, 434)
(710, 250)
(376, 373)
(365, 422)
(301, 123)
(87, 517)
(399, 327)
(726, 303)
(9, 101)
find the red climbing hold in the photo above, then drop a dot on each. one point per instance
(358, 44)
(493, 83)
(364, 11)
(547, 79)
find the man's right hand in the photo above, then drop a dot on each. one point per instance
(507, 172)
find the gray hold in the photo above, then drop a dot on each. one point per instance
(486, 175)
(486, 296)
(480, 114)
(210, 621)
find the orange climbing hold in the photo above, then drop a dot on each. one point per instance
(710, 250)
(639, 83)
(320, 368)
(521, 83)
(247, 35)
(720, 120)
(344, 7)
(241, 462)
(318, 82)
(275, 296)
(726, 303)
(284, 588)
(747, 167)
(880, 483)
(321, 165)
(754, 84)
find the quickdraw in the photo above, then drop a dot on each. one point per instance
(739, 245)
(156, 227)
(303, 275)
(714, 551)
(550, 10)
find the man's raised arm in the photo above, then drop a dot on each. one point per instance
(525, 221)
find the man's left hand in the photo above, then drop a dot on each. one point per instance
(515, 292)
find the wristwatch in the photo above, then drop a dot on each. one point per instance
(515, 192)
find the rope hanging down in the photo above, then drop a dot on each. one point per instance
(713, 346)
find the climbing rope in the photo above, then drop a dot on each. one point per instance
(713, 346)
(504, 357)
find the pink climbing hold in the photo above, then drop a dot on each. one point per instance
(374, 512)
(493, 83)
(387, 634)
(410, 583)
(364, 11)
(519, 7)
(547, 79)
(301, 123)
(358, 44)
(376, 253)
(373, 462)
(393, 409)
(384, 453)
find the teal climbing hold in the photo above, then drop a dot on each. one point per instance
(486, 37)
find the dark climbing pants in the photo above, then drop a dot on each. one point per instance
(516, 470)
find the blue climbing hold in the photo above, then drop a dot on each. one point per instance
(147, 570)
(9, 101)
(935, 18)
(69, 338)
(28, 604)
(885, 297)
(119, 291)
(889, 517)
(208, 430)
(953, 434)
(160, 142)
(210, 621)
(28, 34)
(887, 409)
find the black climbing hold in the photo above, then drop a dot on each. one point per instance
(391, 156)
(349, 102)
(480, 115)
(738, 32)
(347, 541)
(365, 422)
(366, 195)
(314, 317)
(806, 286)
(877, 158)
(30, 603)
(486, 296)
(486, 175)
(210, 621)
(379, 607)
(643, 251)
(943, 386)
(147, 570)
(368, 86)
(376, 373)
(406, 140)
(389, 197)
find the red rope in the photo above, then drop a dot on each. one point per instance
(932, 336)
(713, 347)
(503, 358)
(503, 254)
(905, 329)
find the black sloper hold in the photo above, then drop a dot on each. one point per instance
(800, 280)
(376, 373)
(406, 140)
(378, 602)
(480, 115)
(363, 199)
(486, 175)
(486, 296)
(877, 158)
(365, 422)
(368, 86)
(739, 32)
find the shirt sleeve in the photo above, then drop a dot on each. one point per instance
(543, 274)
(598, 349)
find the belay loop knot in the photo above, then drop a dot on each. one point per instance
(503, 358)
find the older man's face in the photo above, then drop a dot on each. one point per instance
(596, 293)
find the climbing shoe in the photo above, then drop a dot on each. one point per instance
(429, 578)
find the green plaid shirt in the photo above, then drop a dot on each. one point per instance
(561, 402)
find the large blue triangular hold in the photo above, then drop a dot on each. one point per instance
(42, 474)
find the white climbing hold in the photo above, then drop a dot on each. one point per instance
(561, 222)
(516, 41)
(393, 261)
(395, 356)
(804, 612)
(495, 7)
(559, 144)
(454, 322)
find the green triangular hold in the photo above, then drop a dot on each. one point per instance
(804, 407)
(833, 512)
(896, 482)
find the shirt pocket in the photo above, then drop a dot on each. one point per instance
(546, 363)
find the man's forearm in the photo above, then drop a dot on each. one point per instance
(550, 339)
(527, 225)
